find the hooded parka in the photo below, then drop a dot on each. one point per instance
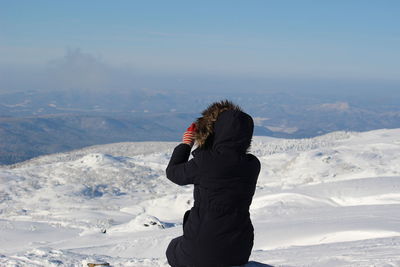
(217, 231)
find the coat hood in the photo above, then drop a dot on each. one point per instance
(234, 129)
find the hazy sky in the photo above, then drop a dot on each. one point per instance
(339, 39)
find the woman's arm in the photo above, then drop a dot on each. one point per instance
(179, 169)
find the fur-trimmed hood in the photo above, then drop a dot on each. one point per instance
(234, 129)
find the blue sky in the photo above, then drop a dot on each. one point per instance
(341, 39)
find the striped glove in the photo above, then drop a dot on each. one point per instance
(188, 136)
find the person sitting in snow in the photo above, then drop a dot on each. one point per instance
(217, 230)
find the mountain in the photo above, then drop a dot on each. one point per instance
(331, 200)
(34, 123)
(25, 138)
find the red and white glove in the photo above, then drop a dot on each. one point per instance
(188, 136)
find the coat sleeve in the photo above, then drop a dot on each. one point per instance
(179, 169)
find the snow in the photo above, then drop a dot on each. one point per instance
(331, 200)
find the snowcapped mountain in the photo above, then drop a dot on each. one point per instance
(331, 200)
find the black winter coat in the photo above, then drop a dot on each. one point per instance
(217, 231)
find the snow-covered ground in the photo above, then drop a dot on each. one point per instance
(332, 200)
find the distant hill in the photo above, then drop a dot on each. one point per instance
(34, 123)
(24, 138)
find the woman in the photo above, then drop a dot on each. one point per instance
(217, 231)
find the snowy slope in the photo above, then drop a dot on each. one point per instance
(332, 200)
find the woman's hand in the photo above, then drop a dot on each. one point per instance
(188, 136)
